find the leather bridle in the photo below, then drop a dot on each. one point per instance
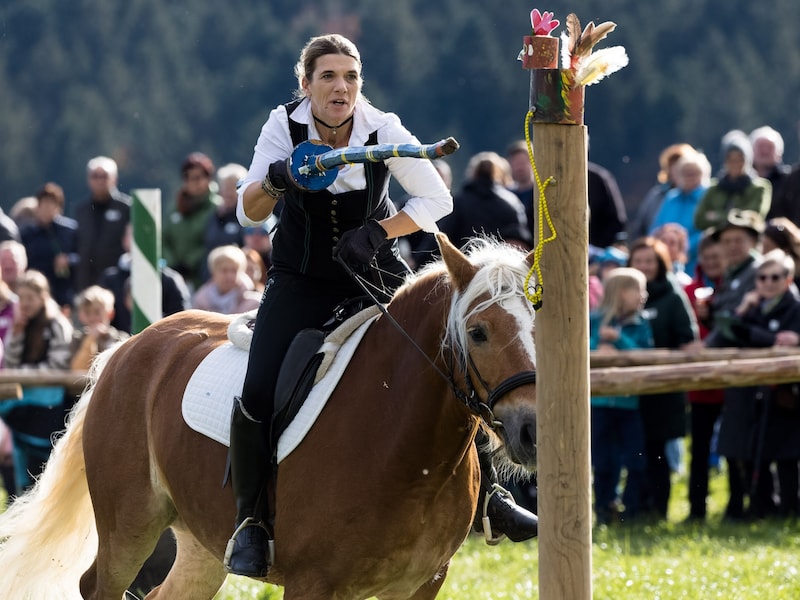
(469, 396)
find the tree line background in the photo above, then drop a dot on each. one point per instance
(149, 81)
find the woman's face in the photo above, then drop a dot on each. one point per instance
(334, 87)
(196, 181)
(712, 261)
(47, 210)
(690, 177)
(674, 244)
(30, 302)
(734, 163)
(646, 261)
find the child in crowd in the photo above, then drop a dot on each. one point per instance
(230, 290)
(95, 307)
(617, 432)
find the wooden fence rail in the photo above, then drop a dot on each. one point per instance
(12, 381)
(629, 372)
(662, 356)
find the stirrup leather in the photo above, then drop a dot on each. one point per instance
(488, 534)
(249, 522)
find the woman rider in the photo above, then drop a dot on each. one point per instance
(354, 219)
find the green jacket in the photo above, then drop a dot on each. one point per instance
(717, 202)
(183, 236)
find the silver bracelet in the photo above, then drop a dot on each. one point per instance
(270, 189)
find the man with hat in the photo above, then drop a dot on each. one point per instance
(739, 235)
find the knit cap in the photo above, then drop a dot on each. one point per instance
(737, 140)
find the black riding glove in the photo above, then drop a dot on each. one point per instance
(357, 247)
(278, 178)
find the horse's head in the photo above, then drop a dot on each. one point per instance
(490, 335)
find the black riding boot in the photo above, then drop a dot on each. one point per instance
(498, 514)
(249, 551)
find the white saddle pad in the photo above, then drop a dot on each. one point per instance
(208, 398)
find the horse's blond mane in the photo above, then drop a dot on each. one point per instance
(500, 278)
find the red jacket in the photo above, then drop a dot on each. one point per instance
(700, 280)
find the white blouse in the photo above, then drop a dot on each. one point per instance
(429, 201)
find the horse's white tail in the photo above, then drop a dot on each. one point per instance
(48, 536)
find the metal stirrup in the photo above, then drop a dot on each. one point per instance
(488, 534)
(248, 522)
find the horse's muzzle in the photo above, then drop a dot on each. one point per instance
(519, 431)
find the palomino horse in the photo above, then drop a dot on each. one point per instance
(373, 502)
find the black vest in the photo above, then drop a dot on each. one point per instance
(311, 223)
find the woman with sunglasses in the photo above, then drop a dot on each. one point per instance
(762, 424)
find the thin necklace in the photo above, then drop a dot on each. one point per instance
(333, 128)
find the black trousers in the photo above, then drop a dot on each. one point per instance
(703, 418)
(789, 481)
(658, 479)
(291, 303)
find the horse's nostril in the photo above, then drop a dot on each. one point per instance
(527, 435)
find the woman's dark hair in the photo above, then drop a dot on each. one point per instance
(321, 45)
(785, 235)
(52, 191)
(199, 160)
(661, 251)
(708, 239)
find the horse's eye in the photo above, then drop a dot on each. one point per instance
(477, 334)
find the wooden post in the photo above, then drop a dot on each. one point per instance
(562, 354)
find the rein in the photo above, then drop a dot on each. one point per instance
(470, 398)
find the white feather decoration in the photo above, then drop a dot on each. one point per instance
(600, 64)
(566, 53)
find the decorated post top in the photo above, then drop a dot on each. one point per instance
(557, 95)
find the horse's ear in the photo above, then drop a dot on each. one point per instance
(461, 270)
(529, 258)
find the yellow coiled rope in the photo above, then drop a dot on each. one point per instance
(534, 293)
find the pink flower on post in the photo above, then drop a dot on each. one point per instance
(543, 23)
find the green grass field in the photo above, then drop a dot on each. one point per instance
(663, 561)
(657, 561)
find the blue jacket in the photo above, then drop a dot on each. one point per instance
(679, 207)
(633, 333)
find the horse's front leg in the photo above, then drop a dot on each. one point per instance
(430, 590)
